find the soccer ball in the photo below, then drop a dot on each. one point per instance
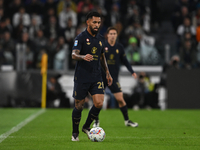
(97, 134)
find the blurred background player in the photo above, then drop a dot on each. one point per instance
(88, 50)
(114, 53)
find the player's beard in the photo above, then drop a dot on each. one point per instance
(93, 31)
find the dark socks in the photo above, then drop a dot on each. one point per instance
(124, 111)
(94, 112)
(76, 117)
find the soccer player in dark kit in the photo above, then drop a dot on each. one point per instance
(88, 50)
(114, 53)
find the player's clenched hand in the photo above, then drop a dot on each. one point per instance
(109, 79)
(88, 57)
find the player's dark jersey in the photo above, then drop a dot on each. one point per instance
(88, 72)
(115, 55)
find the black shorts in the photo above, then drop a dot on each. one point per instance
(115, 87)
(81, 89)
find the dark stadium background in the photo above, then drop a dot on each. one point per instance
(162, 43)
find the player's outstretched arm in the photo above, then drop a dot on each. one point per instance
(128, 65)
(76, 56)
(105, 68)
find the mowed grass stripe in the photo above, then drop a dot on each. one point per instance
(171, 129)
(10, 117)
(119, 137)
(20, 125)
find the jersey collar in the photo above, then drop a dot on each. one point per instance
(110, 45)
(91, 35)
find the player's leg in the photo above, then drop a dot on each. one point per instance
(79, 94)
(76, 117)
(124, 109)
(105, 85)
(97, 92)
(94, 111)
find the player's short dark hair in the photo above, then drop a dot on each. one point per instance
(91, 14)
(111, 28)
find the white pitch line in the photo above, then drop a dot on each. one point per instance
(20, 125)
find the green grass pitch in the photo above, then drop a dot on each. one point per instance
(51, 130)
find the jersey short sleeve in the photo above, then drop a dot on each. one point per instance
(77, 43)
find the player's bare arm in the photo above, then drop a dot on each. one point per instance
(105, 68)
(76, 56)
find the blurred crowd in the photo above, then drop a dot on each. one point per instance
(29, 28)
(186, 24)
